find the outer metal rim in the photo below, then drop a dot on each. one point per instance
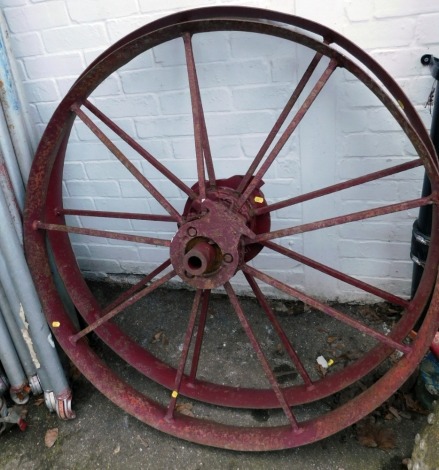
(143, 407)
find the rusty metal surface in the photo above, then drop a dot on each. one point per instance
(139, 149)
(387, 296)
(288, 132)
(223, 226)
(344, 219)
(339, 186)
(38, 225)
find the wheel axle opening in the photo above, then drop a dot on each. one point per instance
(202, 258)
(194, 262)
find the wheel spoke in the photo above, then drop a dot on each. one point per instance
(116, 215)
(280, 332)
(261, 356)
(102, 233)
(140, 150)
(280, 120)
(126, 163)
(343, 219)
(340, 186)
(387, 296)
(202, 148)
(130, 301)
(256, 180)
(332, 312)
(136, 287)
(184, 354)
(200, 335)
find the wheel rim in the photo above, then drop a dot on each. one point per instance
(205, 252)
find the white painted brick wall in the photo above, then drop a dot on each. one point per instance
(245, 80)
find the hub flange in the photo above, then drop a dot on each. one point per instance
(207, 251)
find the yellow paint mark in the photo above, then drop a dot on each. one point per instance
(259, 199)
(174, 394)
(56, 324)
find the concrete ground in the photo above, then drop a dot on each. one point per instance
(103, 436)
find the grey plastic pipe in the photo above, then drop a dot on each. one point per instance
(31, 311)
(11, 103)
(12, 201)
(16, 309)
(10, 162)
(16, 336)
(12, 366)
(15, 130)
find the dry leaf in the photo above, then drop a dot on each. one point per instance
(184, 409)
(144, 443)
(39, 401)
(156, 338)
(117, 449)
(367, 441)
(405, 415)
(386, 439)
(51, 437)
(331, 339)
(321, 370)
(160, 337)
(413, 405)
(392, 310)
(368, 312)
(279, 351)
(373, 435)
(395, 413)
(322, 330)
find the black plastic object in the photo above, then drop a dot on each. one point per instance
(422, 226)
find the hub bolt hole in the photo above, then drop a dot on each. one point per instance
(192, 231)
(228, 258)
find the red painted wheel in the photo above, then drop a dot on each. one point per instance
(224, 225)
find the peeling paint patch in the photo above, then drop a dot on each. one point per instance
(28, 339)
(50, 340)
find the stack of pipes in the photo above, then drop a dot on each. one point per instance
(28, 359)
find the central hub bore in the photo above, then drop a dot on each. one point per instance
(202, 258)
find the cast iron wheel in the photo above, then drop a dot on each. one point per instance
(223, 225)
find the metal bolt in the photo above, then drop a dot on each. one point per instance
(192, 231)
(228, 258)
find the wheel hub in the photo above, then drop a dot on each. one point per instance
(208, 249)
